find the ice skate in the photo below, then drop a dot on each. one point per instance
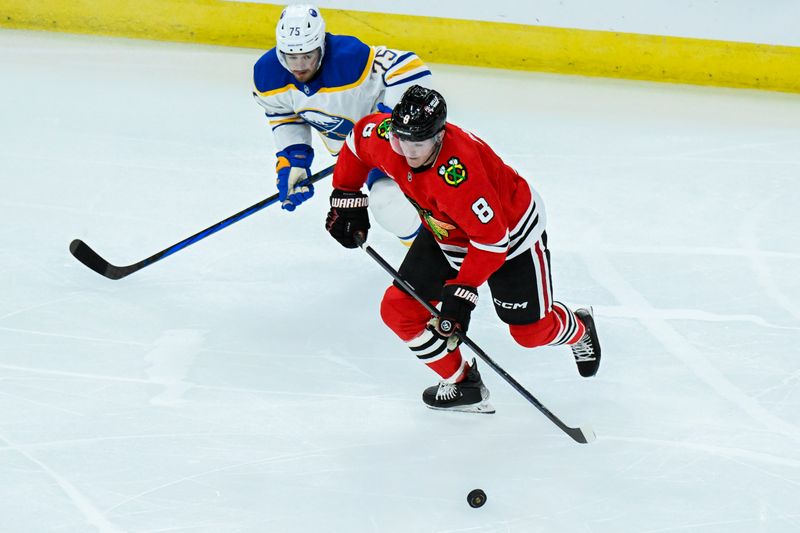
(587, 350)
(469, 395)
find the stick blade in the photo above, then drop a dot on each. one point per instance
(583, 435)
(84, 253)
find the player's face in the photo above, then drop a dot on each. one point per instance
(417, 153)
(303, 66)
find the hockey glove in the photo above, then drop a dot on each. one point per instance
(293, 167)
(347, 216)
(458, 301)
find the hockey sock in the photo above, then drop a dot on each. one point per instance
(559, 326)
(431, 349)
(571, 328)
(408, 319)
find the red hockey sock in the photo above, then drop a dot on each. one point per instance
(559, 326)
(408, 319)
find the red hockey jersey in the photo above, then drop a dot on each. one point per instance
(480, 210)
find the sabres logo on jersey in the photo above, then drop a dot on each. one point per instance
(440, 230)
(330, 126)
(454, 173)
(383, 129)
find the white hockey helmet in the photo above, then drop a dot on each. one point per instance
(300, 29)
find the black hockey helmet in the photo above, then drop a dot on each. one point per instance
(419, 115)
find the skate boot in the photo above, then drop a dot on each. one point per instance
(587, 350)
(469, 395)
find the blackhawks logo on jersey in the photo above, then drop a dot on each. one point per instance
(439, 229)
(383, 129)
(454, 173)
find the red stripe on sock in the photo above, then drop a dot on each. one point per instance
(449, 365)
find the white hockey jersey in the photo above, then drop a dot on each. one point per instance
(352, 80)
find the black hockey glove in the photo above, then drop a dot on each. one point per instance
(347, 216)
(458, 301)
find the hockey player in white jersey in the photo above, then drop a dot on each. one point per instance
(314, 79)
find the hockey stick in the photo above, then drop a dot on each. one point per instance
(582, 435)
(84, 253)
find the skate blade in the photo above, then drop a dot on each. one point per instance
(485, 408)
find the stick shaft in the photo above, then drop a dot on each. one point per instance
(86, 255)
(577, 434)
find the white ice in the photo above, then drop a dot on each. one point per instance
(247, 384)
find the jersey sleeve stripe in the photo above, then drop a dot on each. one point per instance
(416, 76)
(500, 247)
(270, 115)
(411, 65)
(453, 254)
(398, 62)
(524, 221)
(452, 249)
(351, 144)
(528, 230)
(525, 240)
(277, 123)
(295, 118)
(298, 123)
(401, 59)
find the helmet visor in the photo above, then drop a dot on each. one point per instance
(412, 149)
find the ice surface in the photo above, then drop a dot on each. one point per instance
(246, 384)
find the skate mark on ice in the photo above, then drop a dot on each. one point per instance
(605, 273)
(36, 306)
(344, 363)
(749, 238)
(686, 314)
(41, 404)
(247, 464)
(133, 437)
(93, 515)
(73, 337)
(785, 384)
(222, 388)
(718, 451)
(756, 523)
(680, 250)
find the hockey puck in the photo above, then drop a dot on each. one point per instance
(476, 498)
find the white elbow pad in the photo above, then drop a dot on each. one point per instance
(392, 210)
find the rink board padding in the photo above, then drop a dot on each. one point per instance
(436, 40)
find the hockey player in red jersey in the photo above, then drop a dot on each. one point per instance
(482, 222)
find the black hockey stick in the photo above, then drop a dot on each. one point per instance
(582, 435)
(84, 253)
